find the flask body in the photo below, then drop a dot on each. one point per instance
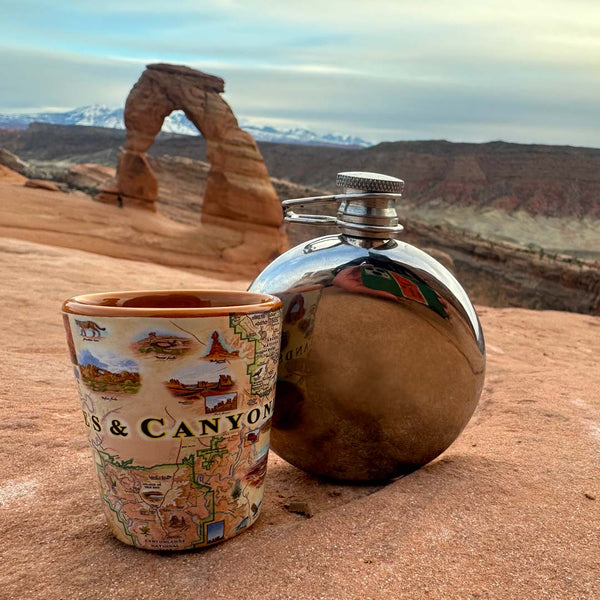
(382, 359)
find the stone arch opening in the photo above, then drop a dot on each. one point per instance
(238, 188)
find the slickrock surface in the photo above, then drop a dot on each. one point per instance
(11, 161)
(89, 176)
(50, 186)
(12, 177)
(74, 221)
(238, 187)
(511, 510)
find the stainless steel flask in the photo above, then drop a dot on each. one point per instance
(383, 358)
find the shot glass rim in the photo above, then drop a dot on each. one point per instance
(90, 304)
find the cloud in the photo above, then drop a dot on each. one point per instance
(87, 358)
(384, 70)
(41, 78)
(202, 371)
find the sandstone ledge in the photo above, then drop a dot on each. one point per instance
(74, 221)
(509, 511)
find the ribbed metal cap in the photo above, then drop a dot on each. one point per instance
(366, 209)
(370, 182)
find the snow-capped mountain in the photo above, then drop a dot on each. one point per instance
(100, 115)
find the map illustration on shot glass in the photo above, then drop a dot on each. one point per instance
(177, 393)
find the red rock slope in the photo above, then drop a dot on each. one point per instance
(75, 221)
(511, 510)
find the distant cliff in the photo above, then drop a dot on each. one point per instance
(551, 192)
(556, 181)
(553, 181)
(504, 274)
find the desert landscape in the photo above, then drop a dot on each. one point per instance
(511, 510)
(519, 222)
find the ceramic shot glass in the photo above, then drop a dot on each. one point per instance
(177, 393)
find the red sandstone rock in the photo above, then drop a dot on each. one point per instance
(90, 176)
(7, 175)
(509, 511)
(440, 256)
(112, 196)
(72, 221)
(238, 185)
(12, 161)
(135, 177)
(42, 184)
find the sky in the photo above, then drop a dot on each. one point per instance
(105, 359)
(201, 371)
(463, 70)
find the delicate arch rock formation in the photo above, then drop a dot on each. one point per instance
(238, 187)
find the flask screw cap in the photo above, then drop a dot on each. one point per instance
(370, 182)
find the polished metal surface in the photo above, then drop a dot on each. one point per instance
(372, 384)
(369, 182)
(382, 360)
(366, 209)
(362, 214)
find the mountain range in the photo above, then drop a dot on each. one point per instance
(100, 115)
